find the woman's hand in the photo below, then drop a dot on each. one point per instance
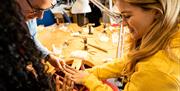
(75, 75)
(56, 62)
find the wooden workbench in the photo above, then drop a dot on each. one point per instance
(61, 37)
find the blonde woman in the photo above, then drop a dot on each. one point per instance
(154, 62)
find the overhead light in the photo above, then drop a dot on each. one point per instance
(80, 7)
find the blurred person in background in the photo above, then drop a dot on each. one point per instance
(153, 64)
(94, 16)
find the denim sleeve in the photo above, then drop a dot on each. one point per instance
(32, 25)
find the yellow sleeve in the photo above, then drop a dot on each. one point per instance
(94, 84)
(108, 70)
(152, 80)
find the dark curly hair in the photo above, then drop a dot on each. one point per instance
(17, 50)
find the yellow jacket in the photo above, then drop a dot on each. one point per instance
(155, 73)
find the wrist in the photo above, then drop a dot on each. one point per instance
(47, 58)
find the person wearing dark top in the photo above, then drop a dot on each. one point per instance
(95, 15)
(17, 52)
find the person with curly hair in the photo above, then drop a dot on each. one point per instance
(21, 68)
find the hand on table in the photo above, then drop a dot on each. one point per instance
(56, 62)
(75, 75)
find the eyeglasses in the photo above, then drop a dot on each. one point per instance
(37, 10)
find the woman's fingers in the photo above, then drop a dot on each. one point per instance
(67, 66)
(62, 63)
(70, 70)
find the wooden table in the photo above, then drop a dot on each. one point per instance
(60, 35)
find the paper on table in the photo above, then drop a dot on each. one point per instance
(79, 54)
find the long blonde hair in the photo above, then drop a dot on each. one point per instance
(159, 33)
